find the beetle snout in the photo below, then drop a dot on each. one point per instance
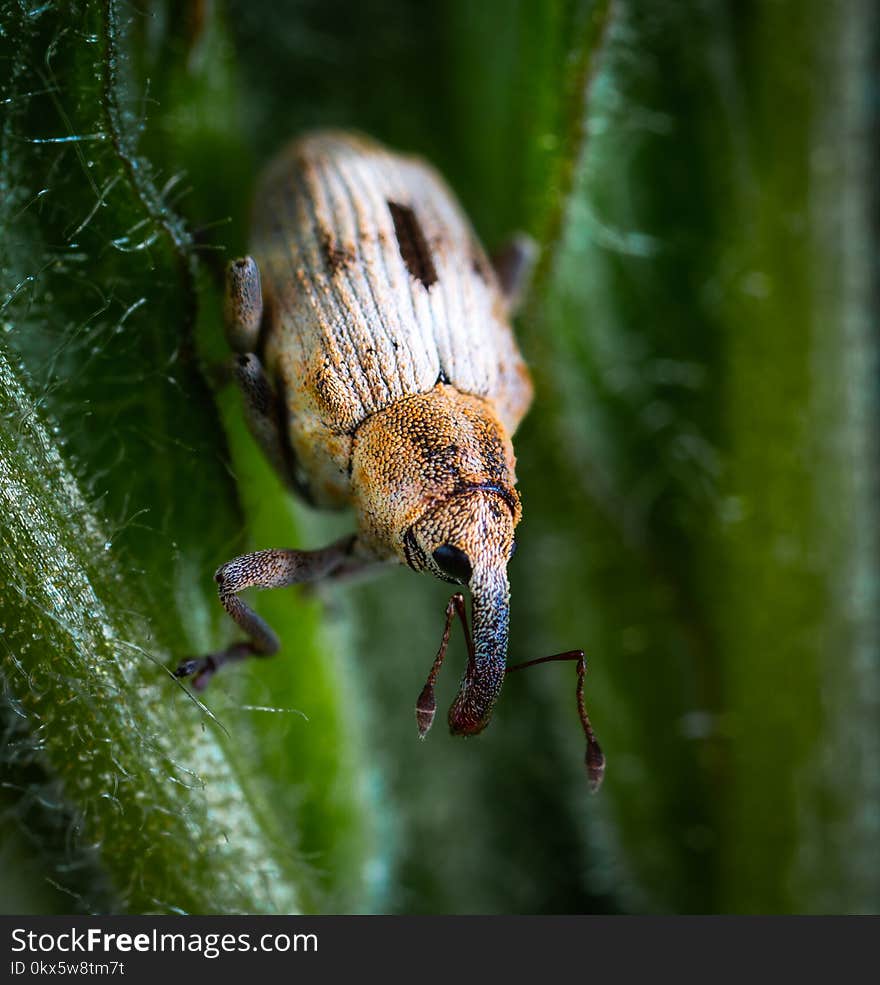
(472, 709)
(484, 675)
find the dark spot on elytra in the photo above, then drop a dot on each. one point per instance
(412, 244)
(335, 257)
(442, 378)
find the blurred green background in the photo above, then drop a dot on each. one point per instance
(699, 472)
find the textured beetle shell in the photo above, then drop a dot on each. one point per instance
(376, 289)
(423, 451)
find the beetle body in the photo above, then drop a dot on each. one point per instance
(375, 290)
(380, 372)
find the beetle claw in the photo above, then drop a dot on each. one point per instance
(186, 668)
(200, 670)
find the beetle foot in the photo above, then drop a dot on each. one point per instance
(200, 670)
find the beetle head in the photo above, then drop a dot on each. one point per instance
(434, 483)
(468, 539)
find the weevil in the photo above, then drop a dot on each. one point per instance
(379, 372)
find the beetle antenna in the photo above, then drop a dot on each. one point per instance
(594, 759)
(426, 706)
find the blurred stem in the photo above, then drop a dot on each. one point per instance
(797, 602)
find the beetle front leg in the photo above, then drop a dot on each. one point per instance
(276, 568)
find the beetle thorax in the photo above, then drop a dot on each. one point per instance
(421, 455)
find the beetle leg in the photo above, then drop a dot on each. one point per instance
(514, 265)
(263, 410)
(243, 304)
(264, 413)
(276, 568)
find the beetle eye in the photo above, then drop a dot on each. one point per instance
(453, 563)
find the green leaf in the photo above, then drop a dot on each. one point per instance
(120, 505)
(156, 793)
